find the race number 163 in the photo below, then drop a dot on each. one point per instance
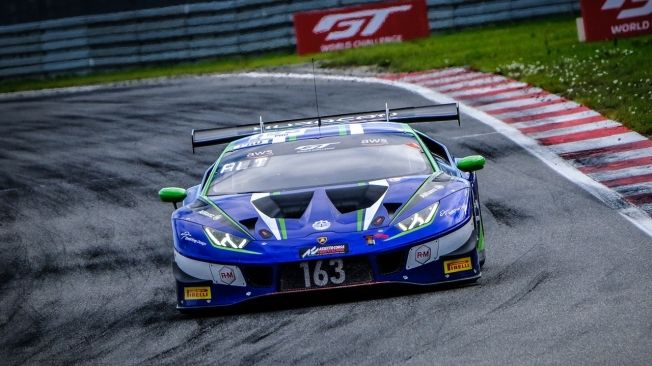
(322, 274)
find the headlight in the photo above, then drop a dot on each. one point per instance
(418, 219)
(222, 239)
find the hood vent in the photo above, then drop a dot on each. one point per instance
(391, 208)
(284, 206)
(250, 224)
(354, 198)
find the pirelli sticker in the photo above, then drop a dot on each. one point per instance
(197, 293)
(458, 265)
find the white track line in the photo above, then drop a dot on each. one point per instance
(471, 84)
(539, 110)
(519, 102)
(556, 119)
(597, 143)
(635, 215)
(473, 91)
(614, 157)
(510, 94)
(622, 173)
(433, 75)
(452, 79)
(634, 189)
(579, 128)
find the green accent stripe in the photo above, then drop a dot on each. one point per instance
(233, 249)
(292, 138)
(204, 191)
(281, 225)
(342, 129)
(360, 218)
(434, 165)
(397, 214)
(481, 239)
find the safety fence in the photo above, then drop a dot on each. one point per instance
(204, 30)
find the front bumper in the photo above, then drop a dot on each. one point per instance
(450, 258)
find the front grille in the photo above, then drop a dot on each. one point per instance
(390, 262)
(258, 276)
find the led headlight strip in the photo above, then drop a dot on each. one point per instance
(226, 240)
(418, 219)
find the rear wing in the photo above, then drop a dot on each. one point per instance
(434, 113)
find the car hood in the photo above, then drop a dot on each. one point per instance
(304, 212)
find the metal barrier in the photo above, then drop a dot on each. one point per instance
(203, 30)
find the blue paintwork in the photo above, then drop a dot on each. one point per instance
(457, 193)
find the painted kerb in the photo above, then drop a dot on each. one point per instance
(210, 29)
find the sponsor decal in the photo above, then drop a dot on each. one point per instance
(458, 265)
(321, 225)
(250, 143)
(370, 240)
(260, 154)
(422, 254)
(378, 220)
(197, 293)
(188, 237)
(316, 251)
(374, 142)
(361, 25)
(226, 275)
(244, 164)
(210, 215)
(451, 211)
(322, 240)
(609, 19)
(316, 147)
(381, 235)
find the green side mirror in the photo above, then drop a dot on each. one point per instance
(172, 194)
(471, 163)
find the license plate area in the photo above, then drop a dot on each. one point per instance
(325, 273)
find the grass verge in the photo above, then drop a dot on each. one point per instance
(614, 78)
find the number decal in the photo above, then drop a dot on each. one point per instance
(320, 276)
(339, 269)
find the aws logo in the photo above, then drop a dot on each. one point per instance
(643, 10)
(364, 22)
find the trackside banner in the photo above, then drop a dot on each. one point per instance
(609, 19)
(362, 25)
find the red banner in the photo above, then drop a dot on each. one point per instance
(358, 26)
(609, 19)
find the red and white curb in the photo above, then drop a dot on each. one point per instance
(603, 149)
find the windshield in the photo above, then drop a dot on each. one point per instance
(318, 162)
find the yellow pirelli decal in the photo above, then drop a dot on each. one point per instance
(197, 293)
(458, 265)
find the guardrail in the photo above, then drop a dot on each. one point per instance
(204, 30)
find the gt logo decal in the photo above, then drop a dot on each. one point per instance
(352, 24)
(643, 10)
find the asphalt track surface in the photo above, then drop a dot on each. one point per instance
(85, 265)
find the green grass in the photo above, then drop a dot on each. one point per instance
(613, 78)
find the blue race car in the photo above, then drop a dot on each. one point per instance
(336, 201)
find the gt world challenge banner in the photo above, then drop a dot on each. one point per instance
(359, 26)
(610, 19)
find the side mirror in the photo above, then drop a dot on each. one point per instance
(470, 163)
(172, 194)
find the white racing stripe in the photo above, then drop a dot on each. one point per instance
(579, 128)
(520, 102)
(622, 173)
(557, 119)
(634, 189)
(356, 129)
(478, 90)
(597, 143)
(370, 212)
(270, 222)
(472, 83)
(539, 110)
